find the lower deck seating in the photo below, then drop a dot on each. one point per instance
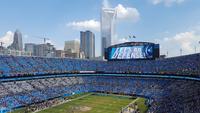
(165, 95)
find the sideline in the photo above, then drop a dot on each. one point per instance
(123, 108)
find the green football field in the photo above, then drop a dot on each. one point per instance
(95, 103)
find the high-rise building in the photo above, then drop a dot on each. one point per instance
(108, 17)
(17, 42)
(72, 48)
(59, 53)
(87, 44)
(45, 50)
(30, 47)
(72, 45)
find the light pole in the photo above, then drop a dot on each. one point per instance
(199, 42)
(181, 50)
(132, 37)
(167, 53)
(1, 48)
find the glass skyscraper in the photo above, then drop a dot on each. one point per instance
(108, 17)
(87, 44)
(17, 41)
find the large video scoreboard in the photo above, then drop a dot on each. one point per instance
(133, 50)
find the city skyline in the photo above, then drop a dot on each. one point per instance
(175, 23)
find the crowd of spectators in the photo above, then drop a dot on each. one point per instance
(183, 65)
(44, 105)
(12, 66)
(23, 66)
(16, 94)
(164, 95)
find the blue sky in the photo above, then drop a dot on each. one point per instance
(174, 24)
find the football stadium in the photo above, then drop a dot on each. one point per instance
(133, 79)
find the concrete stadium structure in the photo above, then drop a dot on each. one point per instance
(171, 85)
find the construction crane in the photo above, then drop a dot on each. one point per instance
(43, 38)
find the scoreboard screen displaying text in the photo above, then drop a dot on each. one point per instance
(131, 52)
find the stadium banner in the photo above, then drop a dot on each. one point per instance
(132, 52)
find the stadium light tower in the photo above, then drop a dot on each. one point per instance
(199, 42)
(42, 38)
(1, 46)
(167, 53)
(133, 36)
(130, 37)
(181, 51)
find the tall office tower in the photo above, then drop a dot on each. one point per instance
(45, 50)
(17, 41)
(30, 47)
(87, 45)
(108, 17)
(72, 48)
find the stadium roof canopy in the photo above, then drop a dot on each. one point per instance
(131, 44)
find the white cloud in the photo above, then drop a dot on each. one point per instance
(7, 39)
(185, 41)
(123, 13)
(166, 2)
(85, 25)
(127, 13)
